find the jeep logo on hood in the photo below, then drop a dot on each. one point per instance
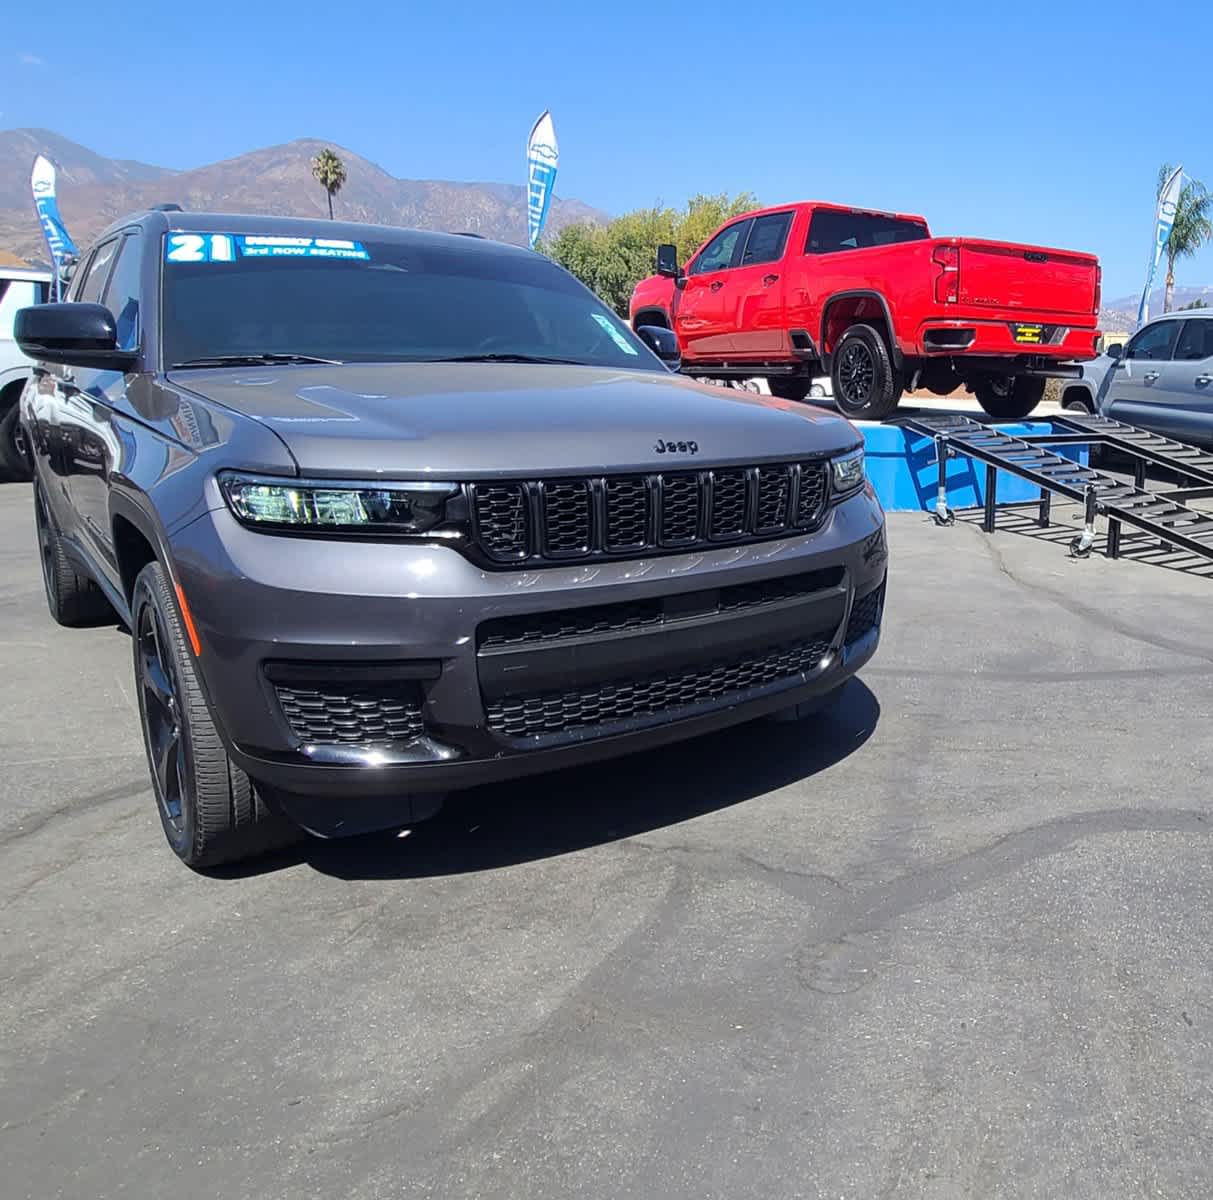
(673, 447)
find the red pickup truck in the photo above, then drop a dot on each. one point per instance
(872, 299)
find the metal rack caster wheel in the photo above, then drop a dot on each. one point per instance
(943, 519)
(1080, 547)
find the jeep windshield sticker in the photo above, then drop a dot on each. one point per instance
(227, 247)
(615, 335)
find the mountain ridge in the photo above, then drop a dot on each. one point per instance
(275, 180)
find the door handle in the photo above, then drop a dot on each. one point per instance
(767, 280)
(1202, 380)
(1150, 376)
(715, 287)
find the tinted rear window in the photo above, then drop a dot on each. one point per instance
(396, 303)
(831, 230)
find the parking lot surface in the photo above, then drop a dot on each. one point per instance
(955, 939)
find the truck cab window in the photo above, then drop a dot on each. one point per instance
(767, 236)
(1154, 342)
(718, 254)
(832, 229)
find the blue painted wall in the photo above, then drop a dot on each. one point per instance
(902, 468)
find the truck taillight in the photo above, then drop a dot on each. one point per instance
(1098, 288)
(947, 282)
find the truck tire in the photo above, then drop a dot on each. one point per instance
(1008, 397)
(210, 810)
(14, 462)
(866, 384)
(74, 600)
(789, 387)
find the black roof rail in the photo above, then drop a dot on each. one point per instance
(166, 208)
(465, 233)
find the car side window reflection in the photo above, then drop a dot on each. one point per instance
(717, 255)
(122, 294)
(97, 273)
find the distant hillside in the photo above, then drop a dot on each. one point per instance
(1120, 316)
(93, 190)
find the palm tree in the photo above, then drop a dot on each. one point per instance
(328, 171)
(1193, 226)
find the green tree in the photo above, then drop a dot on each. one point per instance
(1193, 225)
(612, 259)
(1195, 304)
(328, 171)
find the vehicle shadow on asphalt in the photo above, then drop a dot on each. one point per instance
(549, 815)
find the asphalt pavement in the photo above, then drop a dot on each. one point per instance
(953, 940)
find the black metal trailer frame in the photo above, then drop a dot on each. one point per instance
(1164, 514)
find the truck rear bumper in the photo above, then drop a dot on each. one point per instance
(1047, 339)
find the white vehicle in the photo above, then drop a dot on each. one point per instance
(19, 288)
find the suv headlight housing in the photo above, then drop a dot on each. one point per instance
(847, 473)
(336, 506)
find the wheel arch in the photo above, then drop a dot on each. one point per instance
(844, 309)
(1078, 390)
(138, 540)
(651, 316)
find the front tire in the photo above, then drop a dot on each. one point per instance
(209, 808)
(14, 461)
(866, 384)
(1009, 398)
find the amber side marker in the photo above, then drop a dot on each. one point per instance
(188, 618)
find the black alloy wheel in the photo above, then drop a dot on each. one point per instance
(856, 374)
(160, 710)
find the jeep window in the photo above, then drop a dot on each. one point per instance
(1153, 342)
(408, 302)
(719, 253)
(765, 243)
(122, 294)
(93, 280)
(832, 229)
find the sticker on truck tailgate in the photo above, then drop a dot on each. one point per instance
(1031, 335)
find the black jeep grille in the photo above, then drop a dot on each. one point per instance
(334, 712)
(531, 521)
(628, 699)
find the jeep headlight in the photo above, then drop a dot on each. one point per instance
(339, 507)
(846, 473)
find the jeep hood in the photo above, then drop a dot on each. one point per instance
(472, 420)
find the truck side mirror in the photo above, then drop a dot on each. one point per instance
(1115, 350)
(667, 261)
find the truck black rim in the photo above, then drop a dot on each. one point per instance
(161, 712)
(856, 374)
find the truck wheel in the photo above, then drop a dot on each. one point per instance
(210, 810)
(74, 600)
(866, 384)
(1009, 397)
(14, 462)
(788, 387)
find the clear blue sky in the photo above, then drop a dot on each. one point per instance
(1038, 122)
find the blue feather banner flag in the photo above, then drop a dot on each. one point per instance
(542, 158)
(58, 242)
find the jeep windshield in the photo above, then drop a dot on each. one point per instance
(245, 300)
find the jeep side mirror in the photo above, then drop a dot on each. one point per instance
(667, 261)
(74, 334)
(663, 342)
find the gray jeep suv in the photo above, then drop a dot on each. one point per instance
(389, 513)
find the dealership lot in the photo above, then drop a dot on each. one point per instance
(955, 940)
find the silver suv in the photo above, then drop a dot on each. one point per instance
(389, 513)
(1161, 379)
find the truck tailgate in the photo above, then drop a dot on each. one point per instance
(1027, 279)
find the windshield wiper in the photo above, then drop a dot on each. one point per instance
(507, 358)
(255, 360)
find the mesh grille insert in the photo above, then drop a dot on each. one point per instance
(503, 519)
(623, 700)
(327, 713)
